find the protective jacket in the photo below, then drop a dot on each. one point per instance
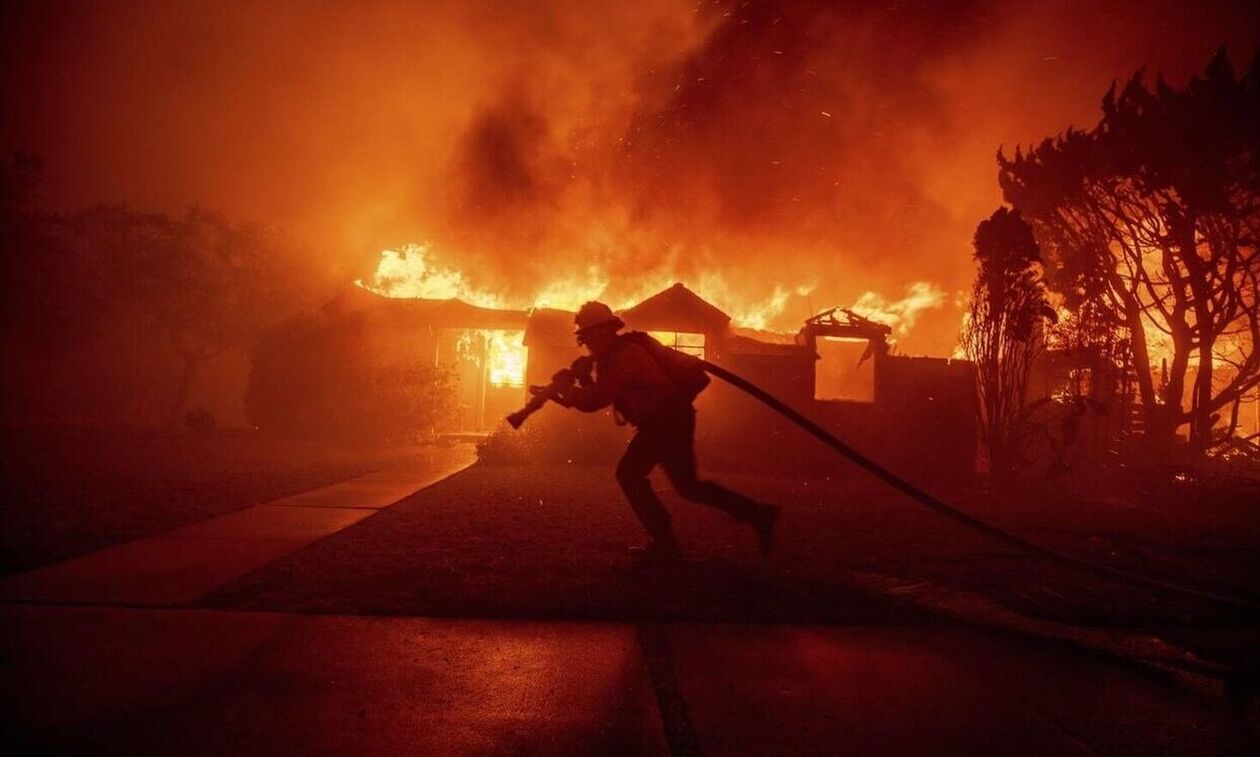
(630, 379)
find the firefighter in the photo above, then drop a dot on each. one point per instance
(651, 387)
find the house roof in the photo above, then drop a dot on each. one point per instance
(846, 323)
(549, 326)
(452, 313)
(676, 309)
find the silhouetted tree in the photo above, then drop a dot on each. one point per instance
(109, 312)
(1004, 332)
(224, 284)
(321, 378)
(199, 281)
(50, 303)
(1152, 217)
(20, 178)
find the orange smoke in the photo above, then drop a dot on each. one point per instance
(777, 156)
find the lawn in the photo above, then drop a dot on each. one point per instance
(72, 491)
(550, 541)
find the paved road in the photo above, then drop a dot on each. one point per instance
(143, 681)
(93, 678)
(180, 566)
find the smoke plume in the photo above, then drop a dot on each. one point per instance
(813, 151)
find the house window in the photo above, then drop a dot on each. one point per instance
(844, 371)
(683, 341)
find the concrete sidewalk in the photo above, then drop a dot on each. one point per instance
(179, 566)
(137, 681)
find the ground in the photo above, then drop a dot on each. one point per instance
(191, 682)
(875, 623)
(550, 541)
(69, 491)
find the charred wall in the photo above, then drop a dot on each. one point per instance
(922, 423)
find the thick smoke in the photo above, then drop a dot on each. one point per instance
(828, 148)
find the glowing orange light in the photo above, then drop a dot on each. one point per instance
(413, 271)
(505, 358)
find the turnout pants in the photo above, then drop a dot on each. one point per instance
(667, 439)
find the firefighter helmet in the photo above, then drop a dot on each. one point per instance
(594, 314)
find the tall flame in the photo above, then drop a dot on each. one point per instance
(413, 271)
(900, 314)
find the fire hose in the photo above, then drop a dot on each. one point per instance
(544, 394)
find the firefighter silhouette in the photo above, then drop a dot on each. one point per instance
(652, 387)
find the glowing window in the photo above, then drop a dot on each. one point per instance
(683, 341)
(501, 354)
(841, 373)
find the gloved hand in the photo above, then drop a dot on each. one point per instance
(582, 368)
(563, 378)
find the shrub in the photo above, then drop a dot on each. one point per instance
(322, 380)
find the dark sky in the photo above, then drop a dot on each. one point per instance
(846, 147)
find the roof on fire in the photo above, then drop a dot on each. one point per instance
(450, 313)
(676, 309)
(549, 326)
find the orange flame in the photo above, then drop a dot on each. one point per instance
(900, 314)
(413, 271)
(502, 354)
(505, 358)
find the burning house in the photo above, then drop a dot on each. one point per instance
(480, 347)
(838, 368)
